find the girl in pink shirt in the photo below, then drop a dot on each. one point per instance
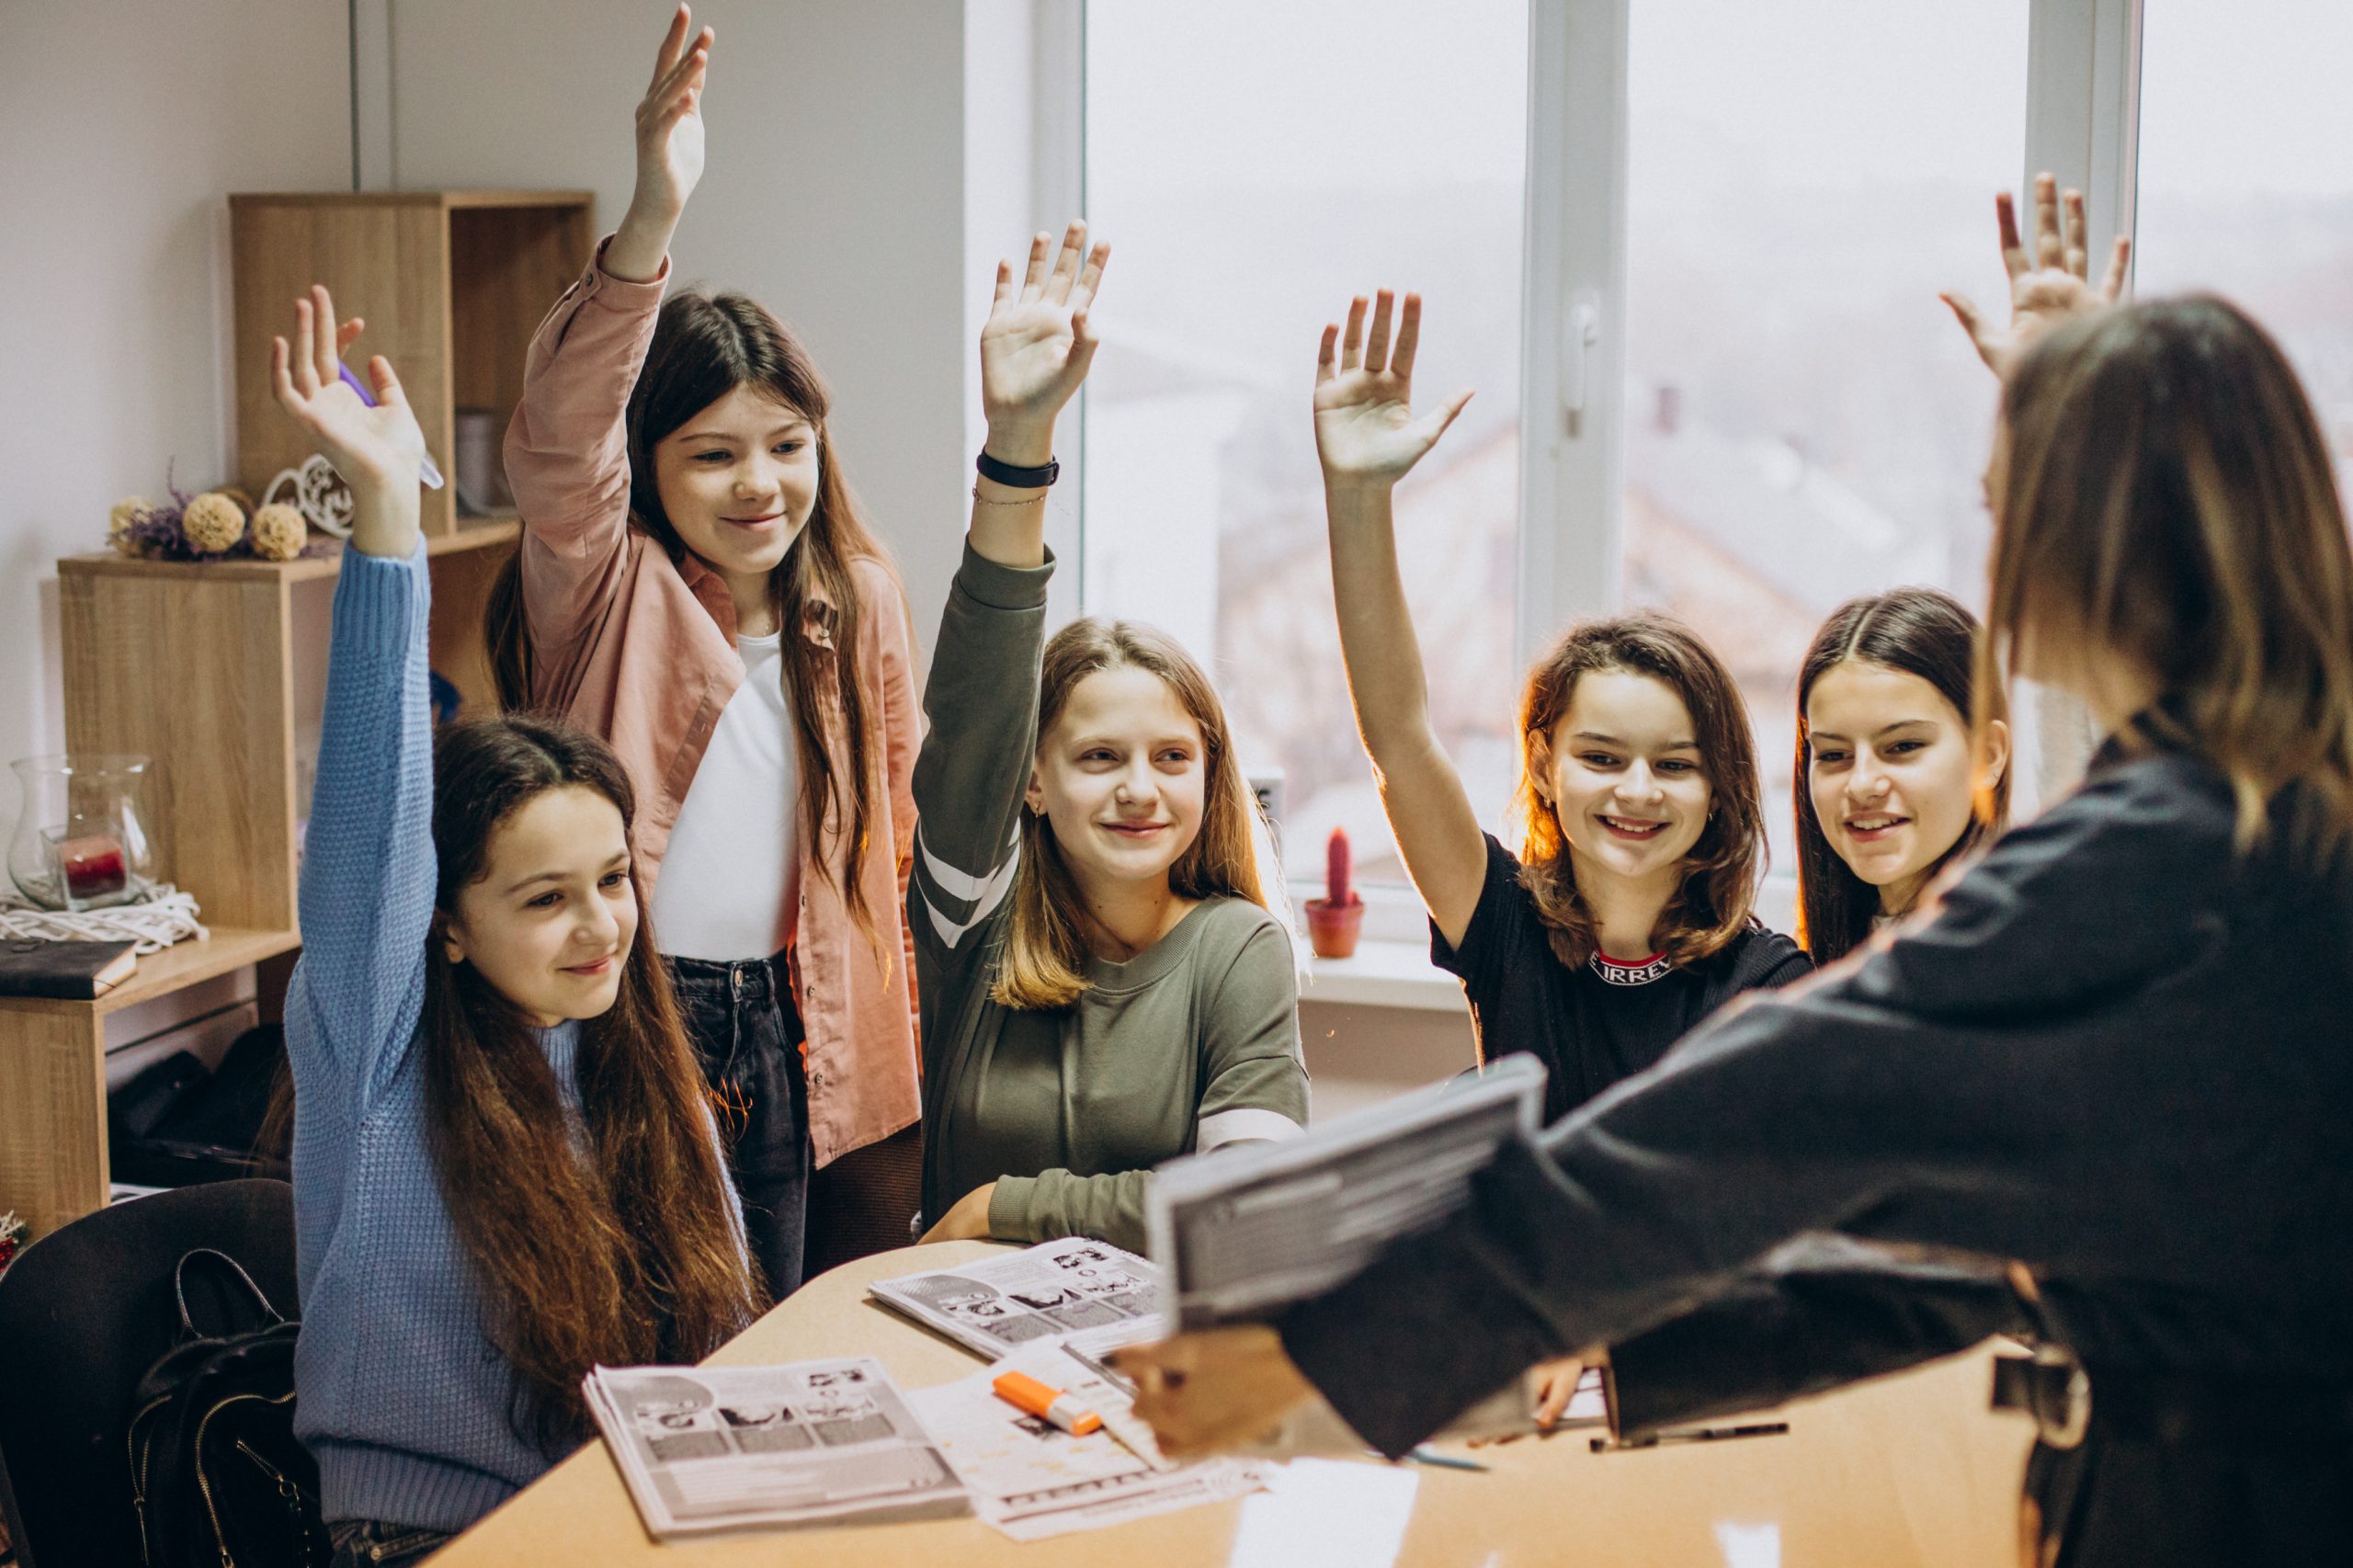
(695, 584)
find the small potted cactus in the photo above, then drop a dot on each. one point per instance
(1333, 920)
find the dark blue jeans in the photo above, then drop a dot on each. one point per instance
(747, 1033)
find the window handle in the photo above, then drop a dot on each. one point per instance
(1580, 334)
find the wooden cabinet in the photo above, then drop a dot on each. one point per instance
(452, 283)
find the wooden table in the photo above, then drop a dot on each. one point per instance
(1912, 1470)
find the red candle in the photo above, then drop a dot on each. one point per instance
(93, 867)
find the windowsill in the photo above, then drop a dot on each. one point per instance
(1385, 974)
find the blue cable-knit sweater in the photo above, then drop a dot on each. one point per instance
(402, 1396)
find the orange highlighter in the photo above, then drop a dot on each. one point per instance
(1026, 1393)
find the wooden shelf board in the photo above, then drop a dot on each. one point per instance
(444, 198)
(473, 533)
(177, 967)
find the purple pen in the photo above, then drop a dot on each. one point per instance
(424, 469)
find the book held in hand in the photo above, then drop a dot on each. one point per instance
(69, 971)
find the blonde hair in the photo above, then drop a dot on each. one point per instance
(2170, 500)
(1044, 960)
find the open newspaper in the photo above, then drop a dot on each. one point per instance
(1031, 1479)
(1091, 1294)
(710, 1448)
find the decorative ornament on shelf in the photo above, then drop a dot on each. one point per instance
(317, 491)
(1333, 920)
(279, 532)
(213, 523)
(211, 526)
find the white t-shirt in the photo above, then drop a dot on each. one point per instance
(731, 882)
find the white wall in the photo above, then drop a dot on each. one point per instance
(832, 193)
(125, 124)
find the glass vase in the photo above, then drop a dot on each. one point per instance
(82, 839)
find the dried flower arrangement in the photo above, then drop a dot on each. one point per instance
(211, 526)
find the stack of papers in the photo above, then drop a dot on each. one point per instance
(1032, 1480)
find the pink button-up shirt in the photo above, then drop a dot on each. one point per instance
(642, 651)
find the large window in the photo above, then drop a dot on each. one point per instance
(1753, 206)
(2247, 177)
(1255, 164)
(1804, 421)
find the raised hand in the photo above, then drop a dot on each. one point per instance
(2049, 285)
(1038, 345)
(669, 117)
(669, 152)
(1365, 425)
(378, 450)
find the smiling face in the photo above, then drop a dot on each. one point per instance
(551, 920)
(1889, 774)
(739, 479)
(1625, 777)
(1122, 777)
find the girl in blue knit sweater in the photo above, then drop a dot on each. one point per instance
(505, 1170)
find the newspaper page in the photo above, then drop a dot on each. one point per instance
(1250, 1228)
(1032, 1480)
(1091, 1293)
(710, 1448)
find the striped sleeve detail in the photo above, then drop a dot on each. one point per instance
(1242, 1124)
(979, 895)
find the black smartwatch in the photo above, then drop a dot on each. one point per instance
(1016, 478)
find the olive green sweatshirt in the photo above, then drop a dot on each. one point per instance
(1192, 1044)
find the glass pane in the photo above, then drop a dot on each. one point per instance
(2247, 178)
(1805, 422)
(1354, 145)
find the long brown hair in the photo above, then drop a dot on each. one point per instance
(1044, 962)
(704, 346)
(621, 1248)
(1921, 632)
(2169, 501)
(1719, 888)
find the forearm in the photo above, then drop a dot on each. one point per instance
(642, 243)
(1383, 656)
(385, 518)
(1008, 525)
(1054, 1204)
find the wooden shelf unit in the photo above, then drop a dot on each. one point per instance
(217, 669)
(453, 284)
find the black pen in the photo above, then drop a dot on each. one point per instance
(1693, 1435)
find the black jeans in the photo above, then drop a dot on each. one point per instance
(372, 1543)
(747, 1033)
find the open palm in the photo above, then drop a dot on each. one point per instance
(1365, 423)
(380, 447)
(669, 117)
(1039, 342)
(2048, 284)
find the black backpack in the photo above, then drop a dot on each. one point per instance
(216, 1473)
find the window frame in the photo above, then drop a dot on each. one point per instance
(2083, 117)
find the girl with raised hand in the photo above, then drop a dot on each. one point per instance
(2111, 1056)
(1893, 791)
(1625, 920)
(696, 584)
(504, 1168)
(1103, 985)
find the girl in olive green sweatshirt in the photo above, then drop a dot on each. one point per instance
(1102, 984)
